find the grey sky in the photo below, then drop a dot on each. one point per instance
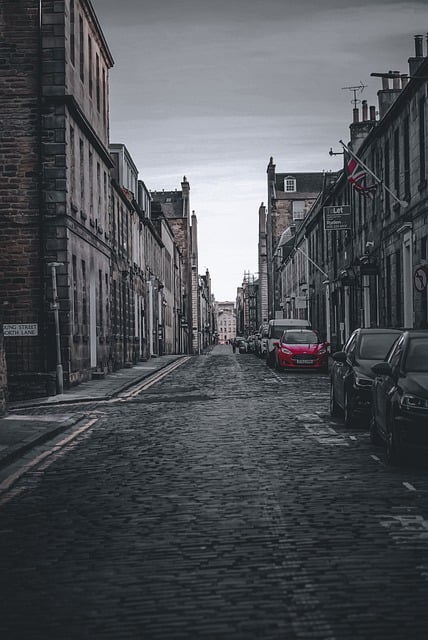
(211, 90)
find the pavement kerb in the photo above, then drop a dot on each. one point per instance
(14, 452)
(63, 399)
(9, 453)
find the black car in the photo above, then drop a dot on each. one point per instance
(400, 397)
(351, 373)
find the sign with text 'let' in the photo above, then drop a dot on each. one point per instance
(337, 218)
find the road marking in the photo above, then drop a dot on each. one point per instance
(352, 438)
(14, 477)
(409, 486)
(376, 459)
(153, 379)
(37, 418)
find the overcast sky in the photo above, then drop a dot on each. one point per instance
(211, 90)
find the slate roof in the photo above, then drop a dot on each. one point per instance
(170, 203)
(306, 183)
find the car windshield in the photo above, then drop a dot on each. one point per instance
(417, 355)
(375, 346)
(299, 337)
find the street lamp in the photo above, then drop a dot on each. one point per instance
(55, 308)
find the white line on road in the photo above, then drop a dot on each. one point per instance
(409, 486)
(14, 477)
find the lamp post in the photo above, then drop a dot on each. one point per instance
(55, 309)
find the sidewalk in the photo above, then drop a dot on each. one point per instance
(21, 430)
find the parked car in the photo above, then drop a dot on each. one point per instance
(243, 346)
(351, 373)
(301, 349)
(275, 330)
(400, 397)
(261, 341)
(251, 343)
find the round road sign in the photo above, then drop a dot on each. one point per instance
(420, 279)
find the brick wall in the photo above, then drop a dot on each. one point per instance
(19, 177)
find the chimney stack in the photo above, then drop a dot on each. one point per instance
(386, 95)
(360, 129)
(418, 57)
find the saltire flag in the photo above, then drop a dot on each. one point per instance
(357, 177)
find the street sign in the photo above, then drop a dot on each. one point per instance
(337, 218)
(11, 330)
(420, 278)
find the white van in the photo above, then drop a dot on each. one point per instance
(275, 330)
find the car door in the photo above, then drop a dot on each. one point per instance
(341, 370)
(385, 387)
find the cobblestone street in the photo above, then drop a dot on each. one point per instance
(222, 502)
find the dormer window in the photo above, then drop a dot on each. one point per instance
(289, 184)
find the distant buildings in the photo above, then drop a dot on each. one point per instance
(226, 321)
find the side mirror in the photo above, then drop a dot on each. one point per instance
(339, 356)
(276, 344)
(328, 344)
(382, 369)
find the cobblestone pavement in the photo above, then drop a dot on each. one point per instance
(221, 503)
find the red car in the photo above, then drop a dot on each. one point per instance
(301, 349)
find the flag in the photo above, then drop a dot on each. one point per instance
(357, 177)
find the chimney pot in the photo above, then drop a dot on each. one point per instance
(356, 117)
(419, 47)
(372, 112)
(404, 80)
(365, 111)
(385, 84)
(396, 81)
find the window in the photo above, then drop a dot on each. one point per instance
(397, 162)
(298, 209)
(422, 153)
(82, 173)
(72, 165)
(72, 26)
(84, 297)
(386, 176)
(75, 300)
(289, 184)
(406, 158)
(82, 50)
(90, 77)
(91, 182)
(97, 80)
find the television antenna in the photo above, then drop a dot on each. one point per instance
(356, 89)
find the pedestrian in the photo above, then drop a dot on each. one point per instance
(234, 345)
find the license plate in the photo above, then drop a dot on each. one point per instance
(305, 362)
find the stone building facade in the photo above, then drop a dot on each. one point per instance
(374, 273)
(83, 266)
(290, 196)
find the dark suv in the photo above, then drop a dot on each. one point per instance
(351, 374)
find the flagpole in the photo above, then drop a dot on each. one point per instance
(403, 203)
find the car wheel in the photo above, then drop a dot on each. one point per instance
(374, 434)
(394, 453)
(334, 407)
(348, 410)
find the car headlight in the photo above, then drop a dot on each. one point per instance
(361, 382)
(409, 402)
(287, 351)
(322, 351)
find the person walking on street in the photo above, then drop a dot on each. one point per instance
(234, 345)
